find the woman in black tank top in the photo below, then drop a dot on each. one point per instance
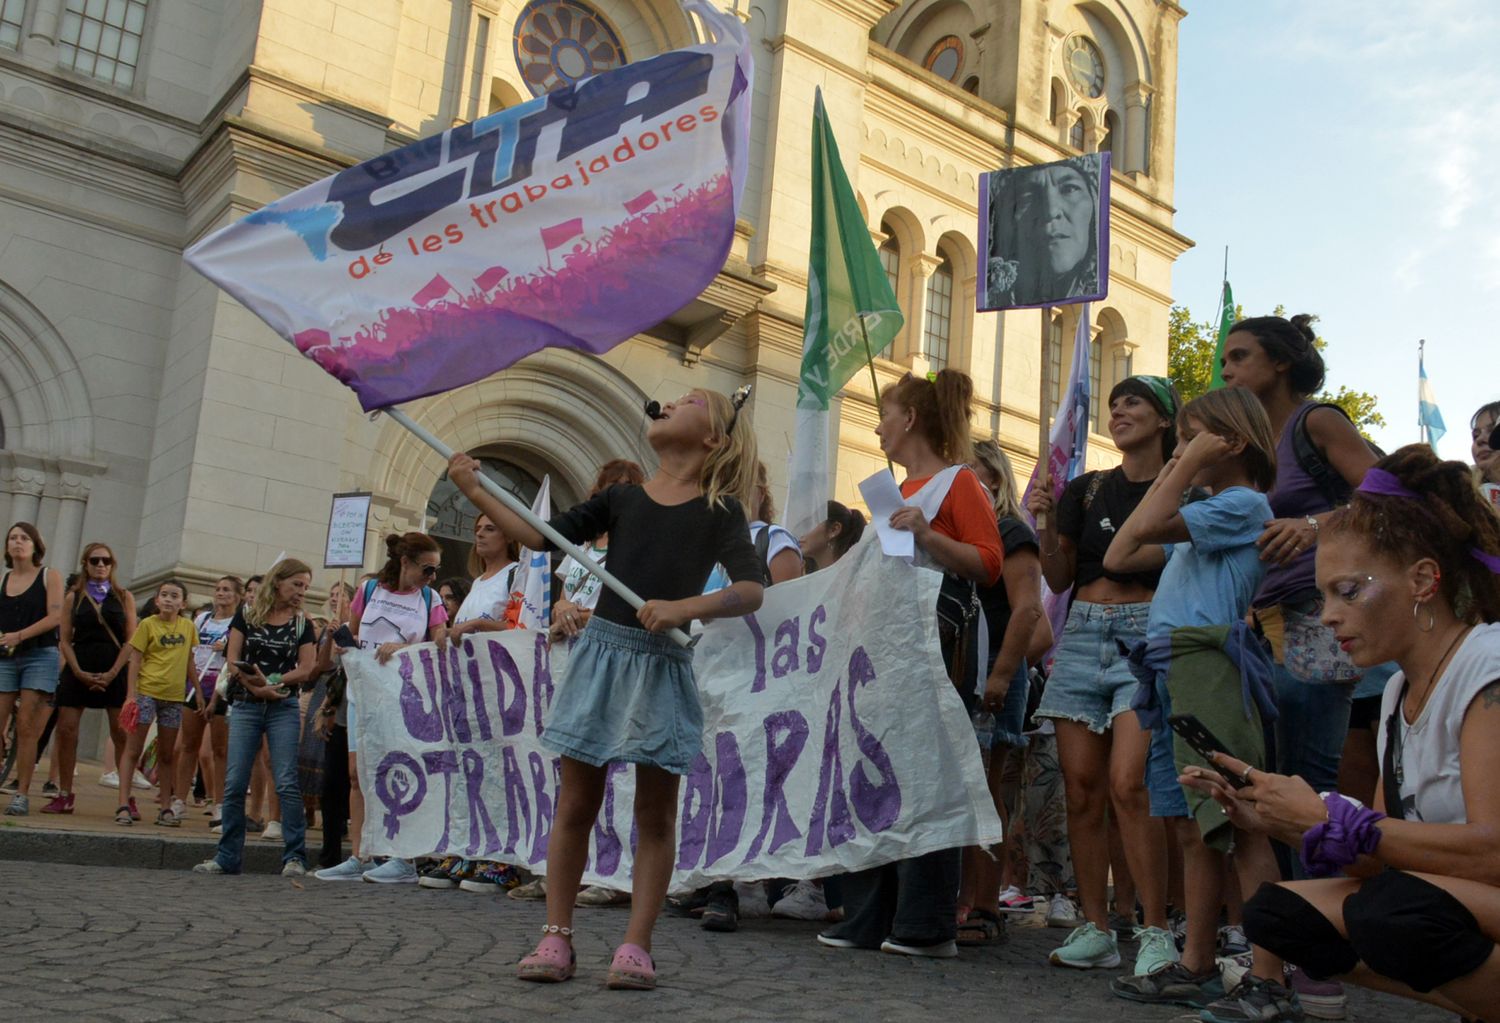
(30, 605)
(98, 618)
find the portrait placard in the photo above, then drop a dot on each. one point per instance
(1044, 234)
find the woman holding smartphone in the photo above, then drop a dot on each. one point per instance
(271, 652)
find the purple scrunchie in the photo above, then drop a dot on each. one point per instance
(1347, 834)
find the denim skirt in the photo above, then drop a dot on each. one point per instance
(627, 696)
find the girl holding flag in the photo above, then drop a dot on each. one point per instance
(629, 694)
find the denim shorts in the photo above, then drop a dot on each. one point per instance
(1091, 681)
(166, 713)
(1162, 787)
(36, 668)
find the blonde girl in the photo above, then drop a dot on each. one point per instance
(629, 695)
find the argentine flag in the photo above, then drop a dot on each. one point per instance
(1428, 416)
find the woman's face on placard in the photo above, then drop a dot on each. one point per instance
(1056, 212)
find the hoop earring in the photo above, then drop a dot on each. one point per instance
(1431, 617)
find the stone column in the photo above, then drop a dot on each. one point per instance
(922, 266)
(73, 493)
(29, 479)
(1137, 144)
(42, 42)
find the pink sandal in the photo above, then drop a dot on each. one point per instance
(632, 969)
(554, 960)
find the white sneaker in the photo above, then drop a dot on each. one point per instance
(110, 779)
(802, 901)
(1063, 912)
(753, 901)
(272, 832)
(293, 868)
(179, 809)
(140, 782)
(351, 869)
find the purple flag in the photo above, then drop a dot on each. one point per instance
(341, 268)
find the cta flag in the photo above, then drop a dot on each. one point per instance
(851, 314)
(385, 273)
(1226, 320)
(1428, 415)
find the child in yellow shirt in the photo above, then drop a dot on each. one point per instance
(161, 669)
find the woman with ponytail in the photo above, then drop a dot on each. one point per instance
(1407, 896)
(832, 538)
(910, 907)
(397, 608)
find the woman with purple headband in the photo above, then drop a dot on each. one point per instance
(1406, 896)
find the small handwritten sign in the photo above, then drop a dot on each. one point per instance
(346, 531)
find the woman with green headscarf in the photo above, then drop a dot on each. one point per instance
(1100, 744)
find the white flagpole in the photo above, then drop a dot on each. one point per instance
(510, 501)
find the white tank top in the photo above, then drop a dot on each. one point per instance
(1431, 781)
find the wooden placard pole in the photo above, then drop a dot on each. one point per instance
(1043, 430)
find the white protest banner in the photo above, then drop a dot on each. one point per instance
(347, 522)
(833, 741)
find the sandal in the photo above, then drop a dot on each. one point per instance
(122, 816)
(981, 927)
(632, 969)
(554, 960)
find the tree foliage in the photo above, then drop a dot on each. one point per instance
(1190, 354)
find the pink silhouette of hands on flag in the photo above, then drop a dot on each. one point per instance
(640, 202)
(433, 290)
(560, 234)
(491, 277)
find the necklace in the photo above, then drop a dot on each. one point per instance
(1437, 669)
(673, 475)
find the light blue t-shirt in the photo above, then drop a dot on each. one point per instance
(1211, 579)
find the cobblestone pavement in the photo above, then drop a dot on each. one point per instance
(117, 944)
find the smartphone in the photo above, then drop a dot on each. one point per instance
(1196, 734)
(245, 667)
(343, 638)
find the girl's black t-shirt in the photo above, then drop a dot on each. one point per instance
(662, 552)
(272, 648)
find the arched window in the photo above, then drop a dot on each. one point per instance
(945, 58)
(890, 261)
(1096, 381)
(938, 333)
(1058, 103)
(1111, 132)
(1075, 134)
(971, 85)
(450, 517)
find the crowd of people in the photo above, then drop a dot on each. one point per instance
(1254, 757)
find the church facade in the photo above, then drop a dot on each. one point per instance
(142, 406)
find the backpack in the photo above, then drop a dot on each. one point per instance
(427, 596)
(1334, 488)
(762, 554)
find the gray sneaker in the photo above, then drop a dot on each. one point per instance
(1255, 1001)
(19, 806)
(293, 868)
(1173, 984)
(352, 869)
(209, 867)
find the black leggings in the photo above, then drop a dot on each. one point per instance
(335, 796)
(1399, 925)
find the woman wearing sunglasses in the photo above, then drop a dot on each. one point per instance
(98, 619)
(397, 608)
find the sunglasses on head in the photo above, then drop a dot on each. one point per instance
(101, 561)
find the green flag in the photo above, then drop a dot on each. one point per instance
(851, 314)
(1226, 320)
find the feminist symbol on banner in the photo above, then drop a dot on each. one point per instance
(400, 783)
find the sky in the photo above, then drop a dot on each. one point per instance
(1339, 149)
